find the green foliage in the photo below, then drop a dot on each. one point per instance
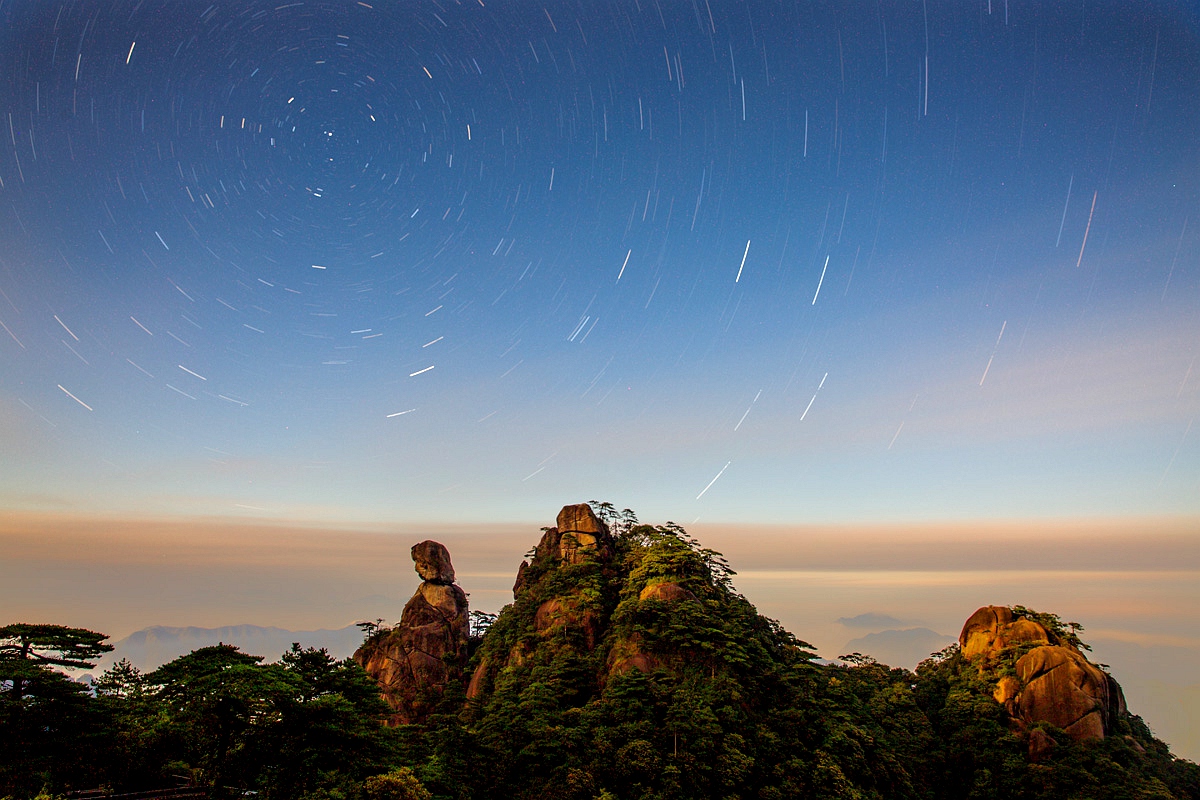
(399, 784)
(618, 522)
(307, 726)
(52, 645)
(592, 685)
(44, 714)
(1060, 632)
(480, 622)
(700, 696)
(373, 631)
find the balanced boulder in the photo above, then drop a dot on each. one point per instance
(415, 661)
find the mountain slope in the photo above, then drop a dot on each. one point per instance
(628, 667)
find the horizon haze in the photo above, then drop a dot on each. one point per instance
(1134, 585)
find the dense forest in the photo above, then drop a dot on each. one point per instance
(654, 679)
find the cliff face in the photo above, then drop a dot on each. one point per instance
(1040, 675)
(415, 661)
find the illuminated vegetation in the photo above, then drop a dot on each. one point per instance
(632, 696)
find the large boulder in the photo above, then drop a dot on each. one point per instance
(432, 562)
(1063, 688)
(992, 630)
(1040, 677)
(666, 592)
(579, 518)
(579, 533)
(415, 661)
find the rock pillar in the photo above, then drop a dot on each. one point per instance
(415, 661)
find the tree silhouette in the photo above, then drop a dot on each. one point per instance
(48, 646)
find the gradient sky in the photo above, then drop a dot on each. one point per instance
(425, 261)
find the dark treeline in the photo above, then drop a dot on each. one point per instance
(216, 717)
(724, 704)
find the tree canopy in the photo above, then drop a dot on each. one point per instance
(640, 675)
(52, 645)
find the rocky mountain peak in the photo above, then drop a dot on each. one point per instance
(630, 666)
(578, 532)
(1041, 674)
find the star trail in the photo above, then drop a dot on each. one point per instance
(374, 261)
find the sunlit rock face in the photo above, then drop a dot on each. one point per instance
(579, 531)
(415, 661)
(432, 562)
(993, 629)
(568, 617)
(666, 592)
(1041, 679)
(1068, 691)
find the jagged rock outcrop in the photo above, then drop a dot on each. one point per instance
(1041, 677)
(579, 532)
(427, 650)
(572, 603)
(637, 654)
(431, 560)
(579, 540)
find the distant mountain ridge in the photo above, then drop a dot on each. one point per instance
(902, 648)
(152, 647)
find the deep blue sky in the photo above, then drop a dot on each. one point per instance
(455, 261)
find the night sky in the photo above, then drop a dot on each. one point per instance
(758, 261)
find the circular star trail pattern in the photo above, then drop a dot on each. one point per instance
(753, 260)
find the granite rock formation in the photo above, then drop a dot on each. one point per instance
(665, 592)
(1040, 677)
(432, 562)
(580, 541)
(576, 601)
(578, 532)
(629, 666)
(415, 661)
